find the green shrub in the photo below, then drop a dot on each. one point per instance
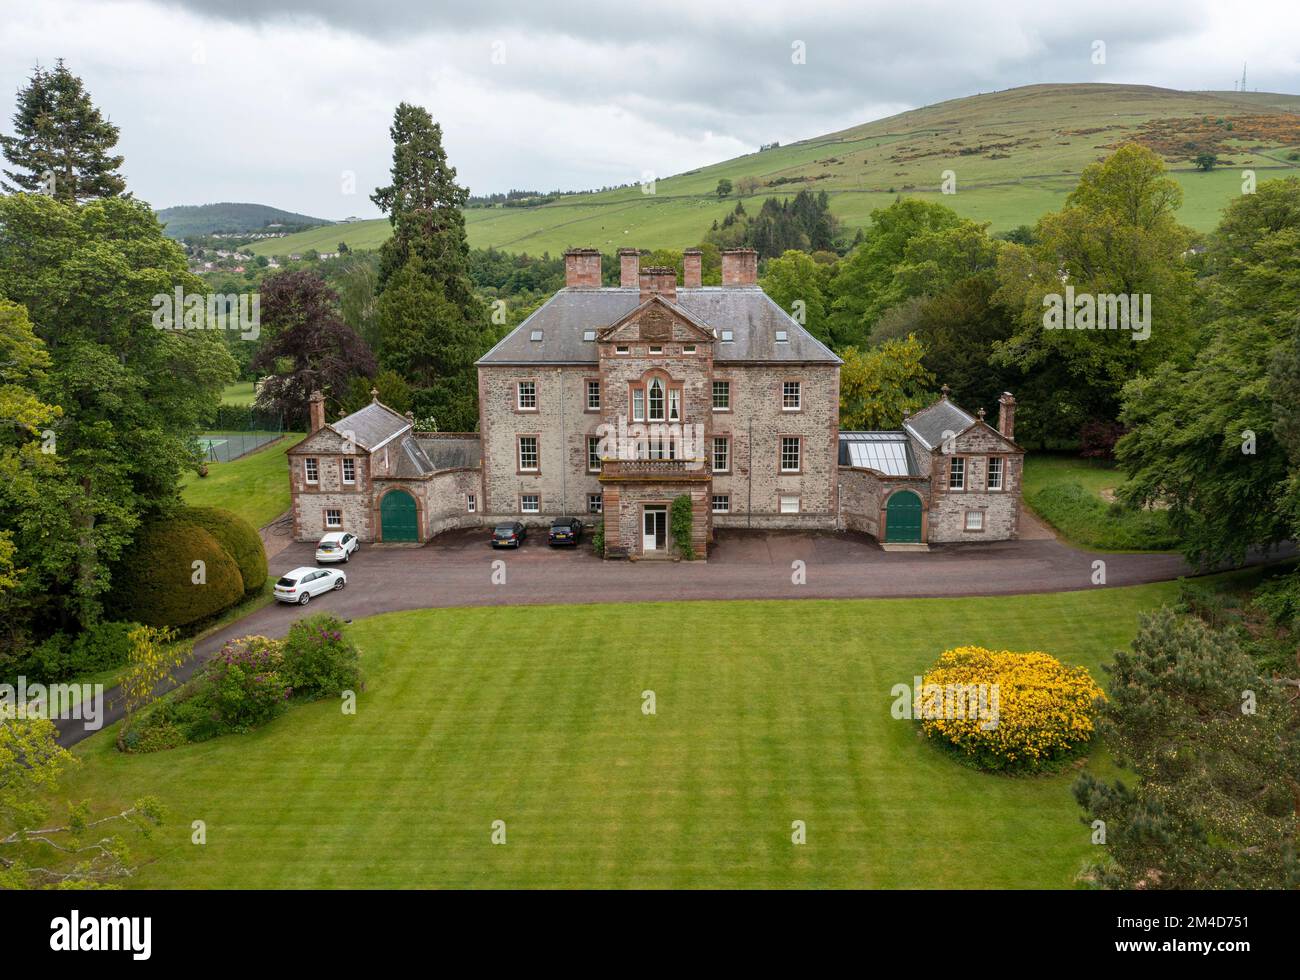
(1279, 600)
(1083, 517)
(60, 657)
(682, 521)
(242, 684)
(319, 660)
(153, 584)
(598, 537)
(238, 537)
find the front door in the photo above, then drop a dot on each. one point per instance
(397, 517)
(903, 518)
(654, 528)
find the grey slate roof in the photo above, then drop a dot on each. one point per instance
(929, 424)
(411, 459)
(747, 311)
(370, 426)
(888, 452)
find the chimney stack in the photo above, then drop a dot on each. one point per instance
(692, 268)
(582, 268)
(316, 409)
(629, 267)
(1007, 416)
(661, 280)
(740, 267)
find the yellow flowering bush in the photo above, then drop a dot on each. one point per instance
(1007, 710)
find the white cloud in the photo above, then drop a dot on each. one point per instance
(272, 101)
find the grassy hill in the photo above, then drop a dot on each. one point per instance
(208, 219)
(1016, 154)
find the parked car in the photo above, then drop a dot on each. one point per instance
(509, 535)
(565, 530)
(302, 583)
(337, 546)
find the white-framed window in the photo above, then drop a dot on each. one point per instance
(349, 471)
(333, 518)
(595, 503)
(791, 396)
(790, 453)
(688, 349)
(974, 520)
(526, 396)
(471, 503)
(655, 398)
(789, 504)
(957, 473)
(593, 394)
(622, 349)
(722, 396)
(721, 503)
(638, 405)
(995, 472)
(674, 404)
(728, 337)
(656, 349)
(528, 453)
(721, 454)
(593, 454)
(529, 503)
(311, 470)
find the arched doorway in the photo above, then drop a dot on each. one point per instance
(903, 518)
(397, 517)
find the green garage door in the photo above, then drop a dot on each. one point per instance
(397, 517)
(903, 517)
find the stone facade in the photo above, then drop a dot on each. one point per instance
(615, 401)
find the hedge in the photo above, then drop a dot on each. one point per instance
(238, 537)
(154, 582)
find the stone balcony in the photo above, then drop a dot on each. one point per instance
(666, 470)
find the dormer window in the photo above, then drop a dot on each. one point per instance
(535, 336)
(728, 337)
(588, 335)
(782, 337)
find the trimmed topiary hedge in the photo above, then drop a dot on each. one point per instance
(238, 537)
(154, 584)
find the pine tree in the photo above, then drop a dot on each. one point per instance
(433, 346)
(61, 135)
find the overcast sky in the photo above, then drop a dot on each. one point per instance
(274, 101)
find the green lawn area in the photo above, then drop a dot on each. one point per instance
(256, 486)
(239, 393)
(1066, 492)
(767, 712)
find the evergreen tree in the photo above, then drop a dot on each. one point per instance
(60, 132)
(427, 261)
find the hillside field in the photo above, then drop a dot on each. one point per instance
(1015, 154)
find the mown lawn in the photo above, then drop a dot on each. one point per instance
(239, 393)
(1066, 492)
(767, 712)
(256, 486)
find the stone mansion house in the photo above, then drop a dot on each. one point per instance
(611, 402)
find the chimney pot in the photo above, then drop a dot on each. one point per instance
(1007, 416)
(740, 267)
(316, 410)
(659, 280)
(582, 268)
(629, 267)
(692, 268)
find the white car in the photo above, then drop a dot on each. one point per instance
(337, 546)
(303, 583)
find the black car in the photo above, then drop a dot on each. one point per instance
(565, 530)
(510, 535)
